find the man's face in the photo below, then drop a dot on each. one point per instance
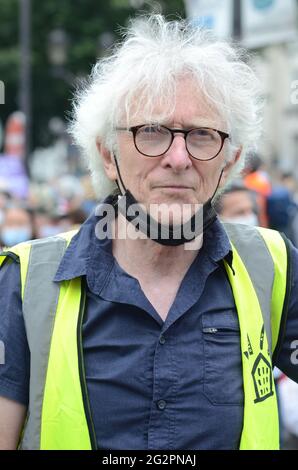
(16, 227)
(237, 204)
(174, 179)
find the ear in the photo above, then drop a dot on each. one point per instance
(108, 161)
(230, 164)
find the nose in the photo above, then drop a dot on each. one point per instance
(177, 156)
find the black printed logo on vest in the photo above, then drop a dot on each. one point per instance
(249, 351)
(262, 374)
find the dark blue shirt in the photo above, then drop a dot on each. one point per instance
(152, 384)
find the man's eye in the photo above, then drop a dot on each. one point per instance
(149, 129)
(204, 135)
(153, 130)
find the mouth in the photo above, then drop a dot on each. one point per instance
(173, 187)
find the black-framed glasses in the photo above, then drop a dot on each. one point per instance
(153, 140)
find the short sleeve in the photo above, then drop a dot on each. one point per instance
(15, 354)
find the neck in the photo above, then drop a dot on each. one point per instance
(138, 255)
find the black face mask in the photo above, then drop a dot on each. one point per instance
(172, 235)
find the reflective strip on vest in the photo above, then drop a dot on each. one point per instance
(263, 277)
(63, 423)
(279, 252)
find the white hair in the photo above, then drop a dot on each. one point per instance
(142, 72)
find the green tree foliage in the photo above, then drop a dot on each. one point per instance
(84, 21)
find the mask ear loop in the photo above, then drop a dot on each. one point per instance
(219, 180)
(120, 178)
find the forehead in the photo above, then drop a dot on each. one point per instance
(192, 106)
(16, 213)
(238, 198)
(186, 105)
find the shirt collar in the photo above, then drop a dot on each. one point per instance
(75, 259)
(89, 256)
(217, 243)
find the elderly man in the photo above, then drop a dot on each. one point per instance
(153, 323)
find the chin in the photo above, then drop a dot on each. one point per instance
(172, 213)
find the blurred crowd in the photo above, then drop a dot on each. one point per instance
(60, 206)
(257, 197)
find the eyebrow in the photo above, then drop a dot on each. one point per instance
(209, 124)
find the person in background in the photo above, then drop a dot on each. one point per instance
(50, 223)
(69, 194)
(45, 225)
(237, 204)
(17, 224)
(282, 209)
(5, 198)
(256, 179)
(74, 219)
(290, 182)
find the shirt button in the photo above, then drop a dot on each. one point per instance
(162, 339)
(161, 404)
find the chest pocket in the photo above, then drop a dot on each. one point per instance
(223, 381)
